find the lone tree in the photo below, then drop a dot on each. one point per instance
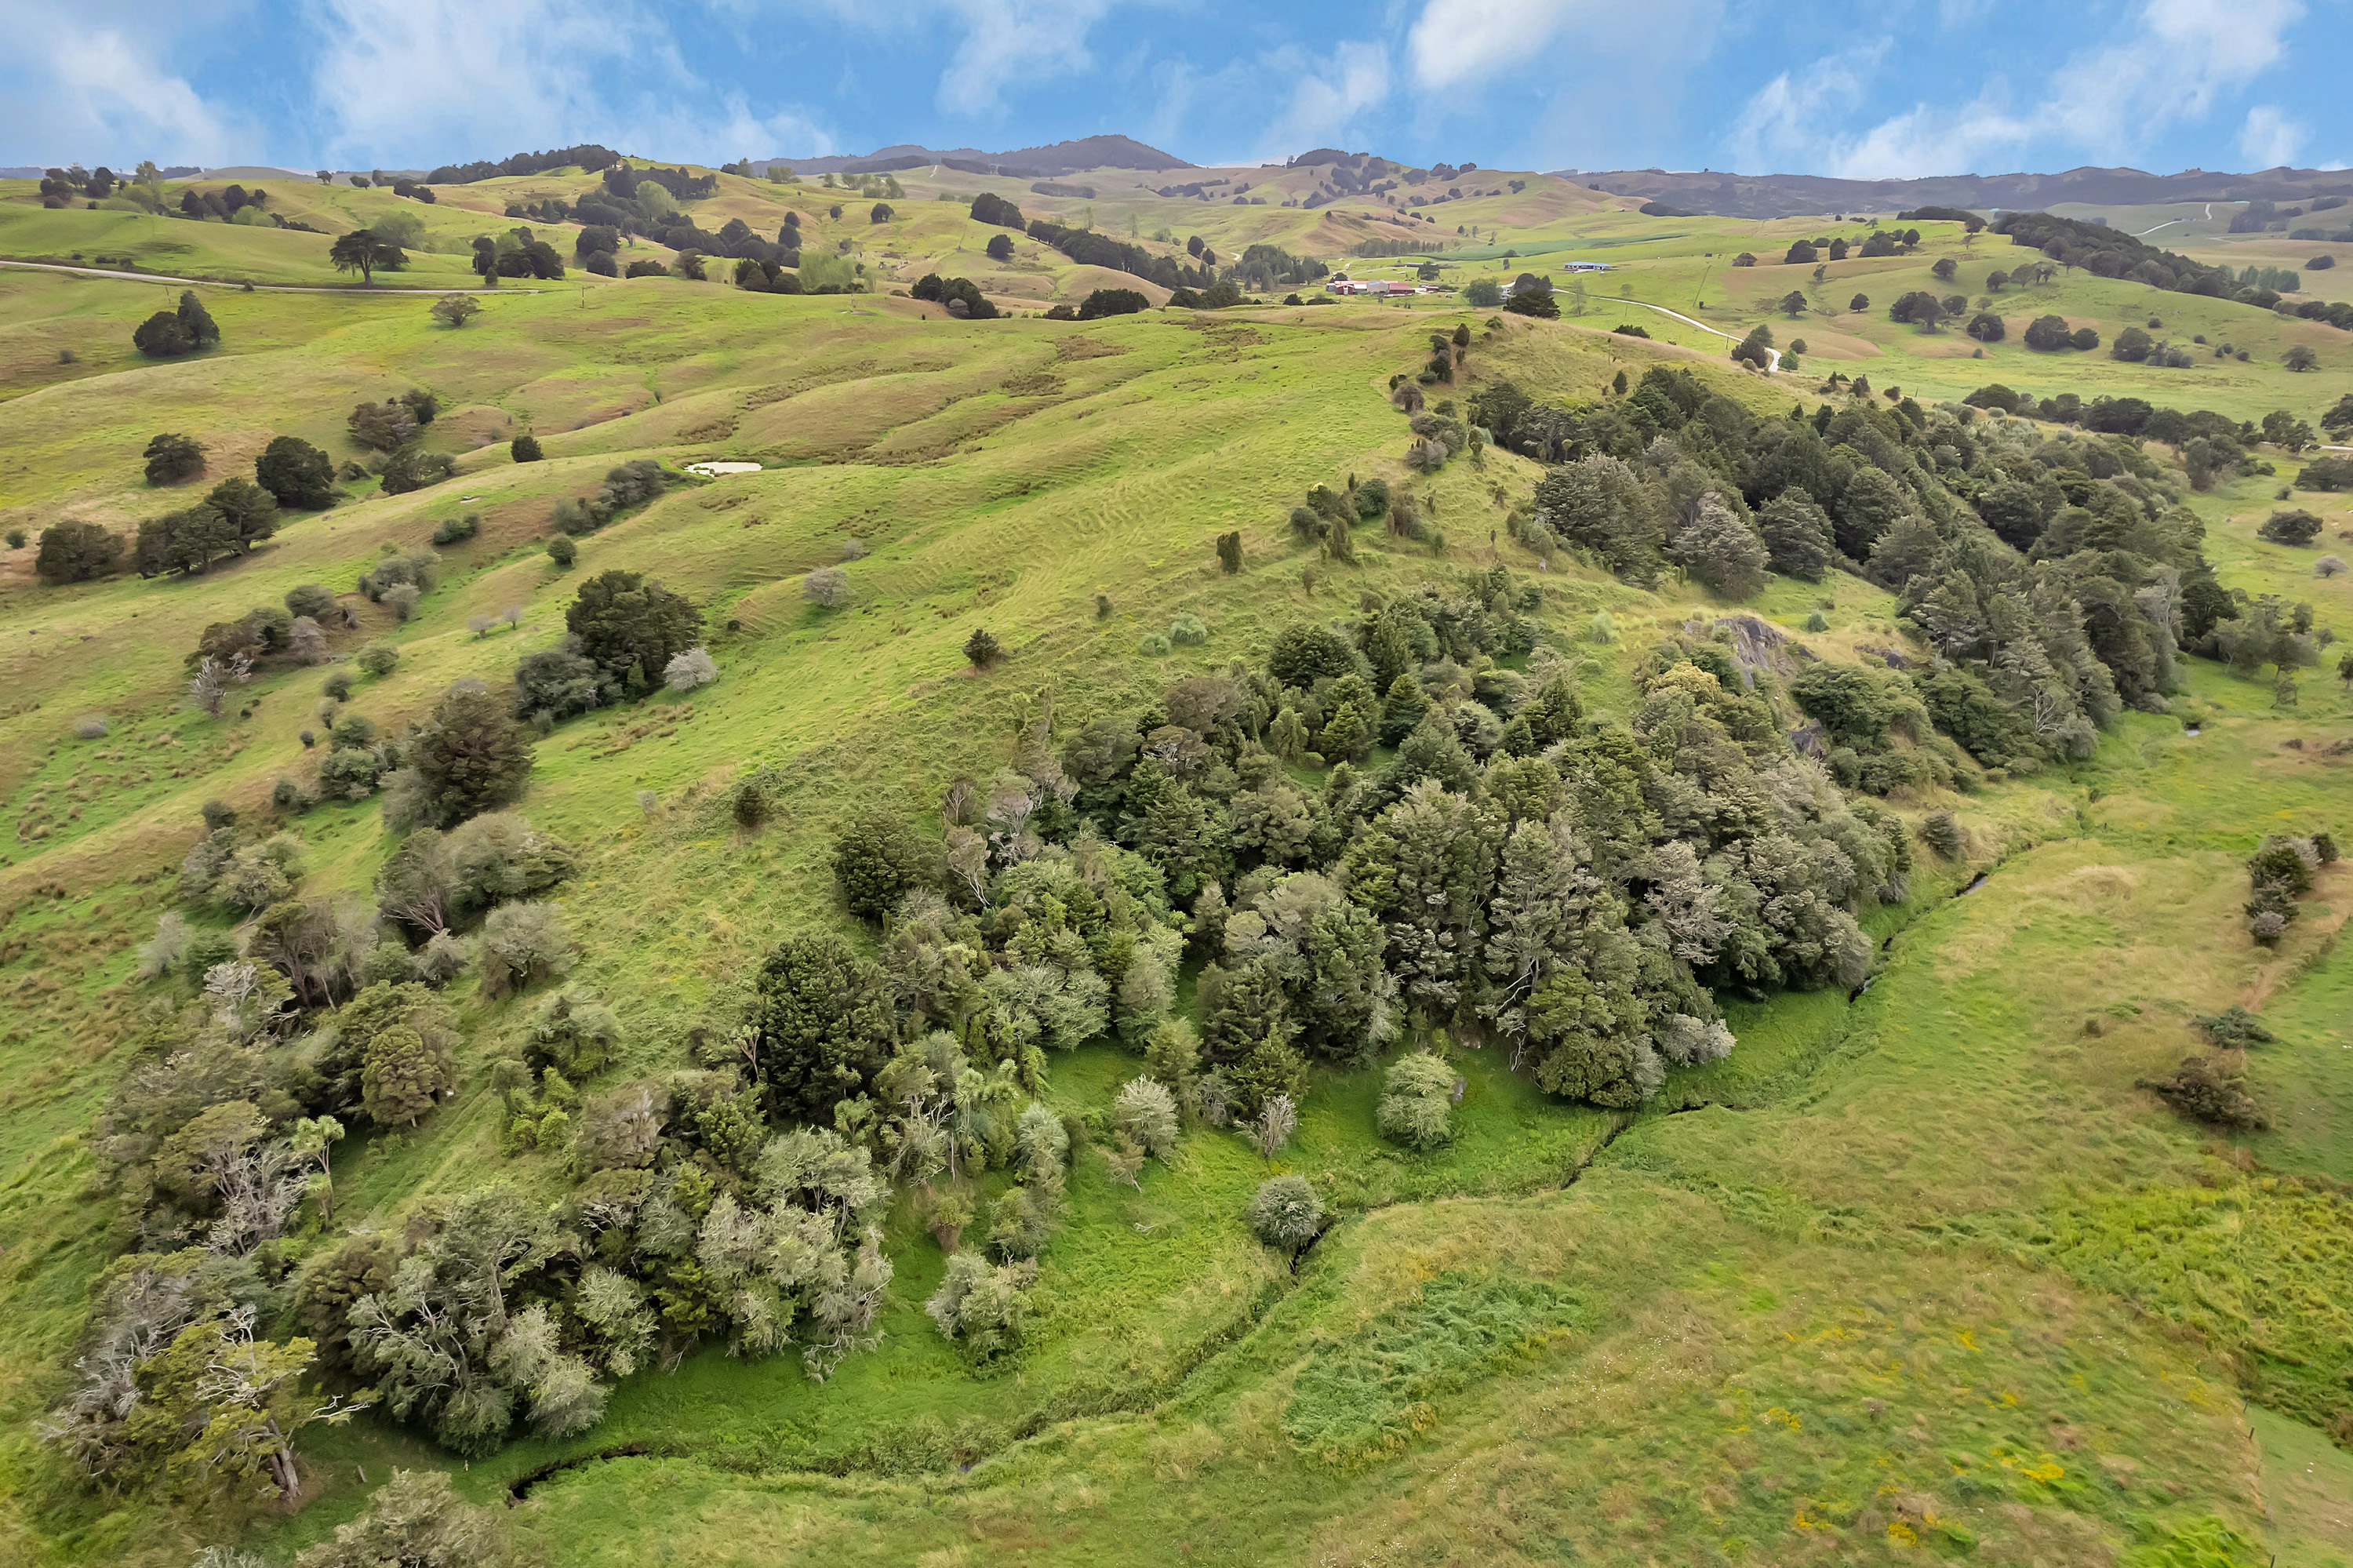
(363, 251)
(455, 310)
(75, 551)
(1858, 303)
(1000, 248)
(172, 459)
(1793, 303)
(472, 758)
(297, 474)
(981, 649)
(1945, 268)
(2300, 357)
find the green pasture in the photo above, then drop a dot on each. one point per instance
(1881, 1284)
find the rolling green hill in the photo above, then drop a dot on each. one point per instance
(1920, 1265)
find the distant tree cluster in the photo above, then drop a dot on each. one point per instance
(961, 296)
(588, 156)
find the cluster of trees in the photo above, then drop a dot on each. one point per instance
(1943, 215)
(588, 156)
(218, 1145)
(223, 205)
(624, 488)
(961, 296)
(2056, 575)
(1089, 248)
(644, 201)
(518, 253)
(1266, 267)
(60, 186)
(231, 519)
(622, 633)
(991, 208)
(2212, 446)
(2107, 252)
(1104, 303)
(2279, 873)
(167, 335)
(234, 516)
(2049, 334)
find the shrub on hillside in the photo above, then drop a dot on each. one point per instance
(691, 671)
(827, 588)
(1286, 1214)
(1418, 1100)
(2297, 528)
(2206, 1089)
(524, 447)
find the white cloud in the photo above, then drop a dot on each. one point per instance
(1014, 42)
(1330, 99)
(2270, 138)
(413, 81)
(2177, 60)
(1778, 120)
(98, 91)
(1621, 70)
(2183, 55)
(1455, 41)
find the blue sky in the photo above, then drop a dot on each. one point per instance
(1864, 88)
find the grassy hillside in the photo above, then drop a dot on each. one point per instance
(1918, 1268)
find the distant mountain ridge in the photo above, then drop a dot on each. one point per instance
(1022, 163)
(1791, 195)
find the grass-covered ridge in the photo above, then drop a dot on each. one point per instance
(1887, 1282)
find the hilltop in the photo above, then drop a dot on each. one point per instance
(1790, 195)
(1020, 163)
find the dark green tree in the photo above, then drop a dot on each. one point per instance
(1797, 534)
(161, 337)
(75, 552)
(363, 252)
(825, 1026)
(172, 459)
(470, 758)
(195, 322)
(524, 447)
(632, 627)
(296, 473)
(1000, 248)
(877, 860)
(250, 511)
(981, 649)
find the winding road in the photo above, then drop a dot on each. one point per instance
(1702, 326)
(364, 289)
(2170, 222)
